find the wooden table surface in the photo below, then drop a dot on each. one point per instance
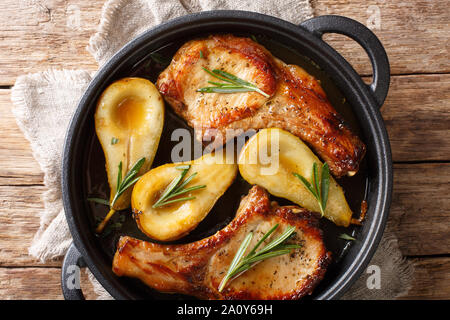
(35, 35)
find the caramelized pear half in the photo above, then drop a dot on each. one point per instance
(128, 121)
(173, 221)
(270, 158)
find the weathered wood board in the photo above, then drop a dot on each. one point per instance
(37, 35)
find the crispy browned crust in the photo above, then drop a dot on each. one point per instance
(184, 268)
(297, 102)
(171, 81)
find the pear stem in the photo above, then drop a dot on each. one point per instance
(102, 225)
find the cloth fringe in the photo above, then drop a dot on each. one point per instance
(43, 124)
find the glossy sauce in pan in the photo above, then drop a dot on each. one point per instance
(225, 208)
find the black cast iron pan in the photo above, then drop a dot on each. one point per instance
(362, 102)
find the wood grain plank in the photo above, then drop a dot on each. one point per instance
(420, 213)
(431, 281)
(37, 35)
(37, 284)
(428, 140)
(416, 113)
(19, 220)
(417, 116)
(414, 33)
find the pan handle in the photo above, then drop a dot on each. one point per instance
(70, 274)
(366, 38)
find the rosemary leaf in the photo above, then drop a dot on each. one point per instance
(306, 184)
(268, 233)
(177, 187)
(276, 247)
(241, 251)
(173, 201)
(99, 201)
(267, 255)
(127, 179)
(129, 184)
(232, 77)
(232, 84)
(319, 188)
(114, 140)
(216, 75)
(325, 184)
(119, 176)
(230, 89)
(346, 237)
(183, 191)
(315, 182)
(288, 246)
(122, 185)
(286, 234)
(236, 260)
(134, 169)
(170, 188)
(185, 182)
(220, 84)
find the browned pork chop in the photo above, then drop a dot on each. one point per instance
(198, 268)
(297, 102)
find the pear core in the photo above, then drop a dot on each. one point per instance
(130, 113)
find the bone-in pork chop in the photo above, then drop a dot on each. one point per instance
(296, 102)
(197, 268)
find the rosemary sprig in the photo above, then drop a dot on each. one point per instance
(177, 188)
(276, 247)
(319, 189)
(99, 201)
(122, 185)
(346, 237)
(232, 84)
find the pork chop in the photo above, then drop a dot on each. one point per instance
(197, 268)
(296, 102)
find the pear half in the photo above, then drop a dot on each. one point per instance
(128, 121)
(270, 158)
(173, 221)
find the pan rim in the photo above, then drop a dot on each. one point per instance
(373, 116)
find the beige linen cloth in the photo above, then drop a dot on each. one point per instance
(44, 102)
